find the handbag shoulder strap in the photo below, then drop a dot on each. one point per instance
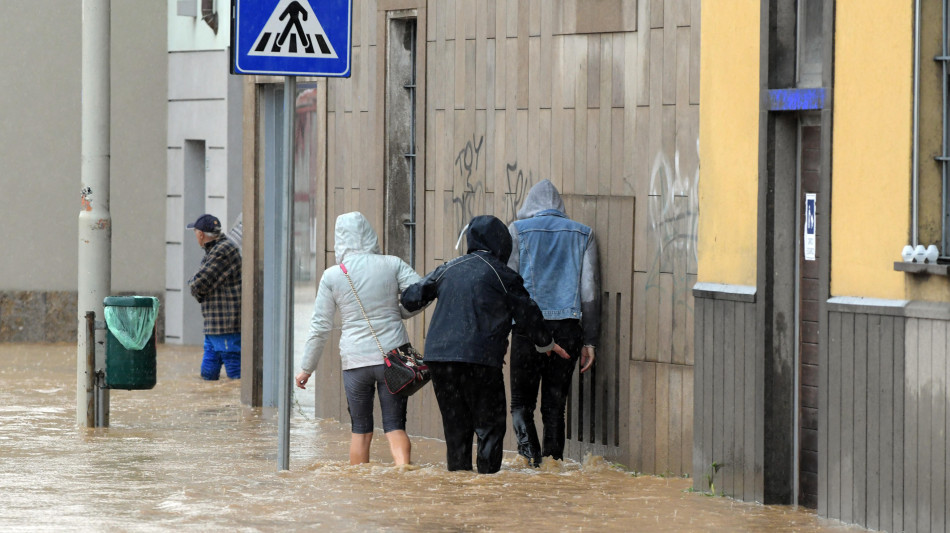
(358, 301)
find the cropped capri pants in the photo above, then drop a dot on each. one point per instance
(360, 385)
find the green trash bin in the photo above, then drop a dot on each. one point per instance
(130, 342)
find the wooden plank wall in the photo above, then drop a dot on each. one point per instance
(876, 468)
(602, 98)
(724, 425)
(598, 418)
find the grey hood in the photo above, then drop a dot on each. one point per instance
(542, 196)
(354, 234)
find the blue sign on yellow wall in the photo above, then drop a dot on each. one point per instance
(291, 37)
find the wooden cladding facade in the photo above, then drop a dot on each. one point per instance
(862, 418)
(728, 397)
(883, 453)
(884, 437)
(600, 97)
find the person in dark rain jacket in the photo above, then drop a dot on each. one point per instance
(479, 297)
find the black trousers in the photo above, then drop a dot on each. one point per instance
(529, 370)
(472, 401)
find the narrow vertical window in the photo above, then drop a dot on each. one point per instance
(401, 139)
(810, 43)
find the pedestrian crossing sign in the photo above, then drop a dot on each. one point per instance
(291, 37)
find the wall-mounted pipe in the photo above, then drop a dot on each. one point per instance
(915, 163)
(945, 148)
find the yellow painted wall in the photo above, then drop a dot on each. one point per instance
(871, 147)
(728, 141)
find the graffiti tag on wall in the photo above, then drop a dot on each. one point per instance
(675, 224)
(518, 186)
(466, 163)
(467, 160)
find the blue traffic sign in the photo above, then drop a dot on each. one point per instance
(291, 37)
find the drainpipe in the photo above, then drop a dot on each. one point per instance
(915, 164)
(944, 156)
(95, 222)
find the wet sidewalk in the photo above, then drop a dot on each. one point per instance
(187, 455)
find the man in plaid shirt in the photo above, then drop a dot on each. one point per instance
(217, 287)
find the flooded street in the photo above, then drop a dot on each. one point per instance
(187, 455)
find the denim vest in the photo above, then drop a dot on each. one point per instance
(551, 252)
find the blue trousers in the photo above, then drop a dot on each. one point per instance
(222, 349)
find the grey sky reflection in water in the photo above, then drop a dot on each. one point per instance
(188, 456)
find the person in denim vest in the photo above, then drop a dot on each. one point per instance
(557, 257)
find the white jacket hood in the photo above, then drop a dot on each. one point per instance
(354, 234)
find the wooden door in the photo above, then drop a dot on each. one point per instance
(809, 157)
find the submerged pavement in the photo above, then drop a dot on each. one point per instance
(187, 455)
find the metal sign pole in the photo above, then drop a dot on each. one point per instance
(289, 39)
(287, 295)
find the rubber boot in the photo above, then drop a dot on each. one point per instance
(522, 421)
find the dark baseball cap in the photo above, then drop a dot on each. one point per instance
(206, 223)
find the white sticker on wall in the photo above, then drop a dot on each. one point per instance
(809, 241)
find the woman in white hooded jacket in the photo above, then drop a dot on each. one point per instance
(378, 279)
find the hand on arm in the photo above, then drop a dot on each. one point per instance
(587, 358)
(406, 277)
(560, 351)
(420, 294)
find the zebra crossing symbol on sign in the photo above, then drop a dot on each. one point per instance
(293, 31)
(291, 37)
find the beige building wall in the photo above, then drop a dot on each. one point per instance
(40, 154)
(729, 131)
(204, 151)
(600, 97)
(874, 151)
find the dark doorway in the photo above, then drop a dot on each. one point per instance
(808, 311)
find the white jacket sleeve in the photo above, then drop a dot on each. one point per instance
(321, 323)
(406, 276)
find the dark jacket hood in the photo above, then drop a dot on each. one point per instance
(486, 232)
(542, 196)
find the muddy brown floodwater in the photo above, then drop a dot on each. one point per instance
(187, 455)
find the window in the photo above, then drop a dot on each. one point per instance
(401, 139)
